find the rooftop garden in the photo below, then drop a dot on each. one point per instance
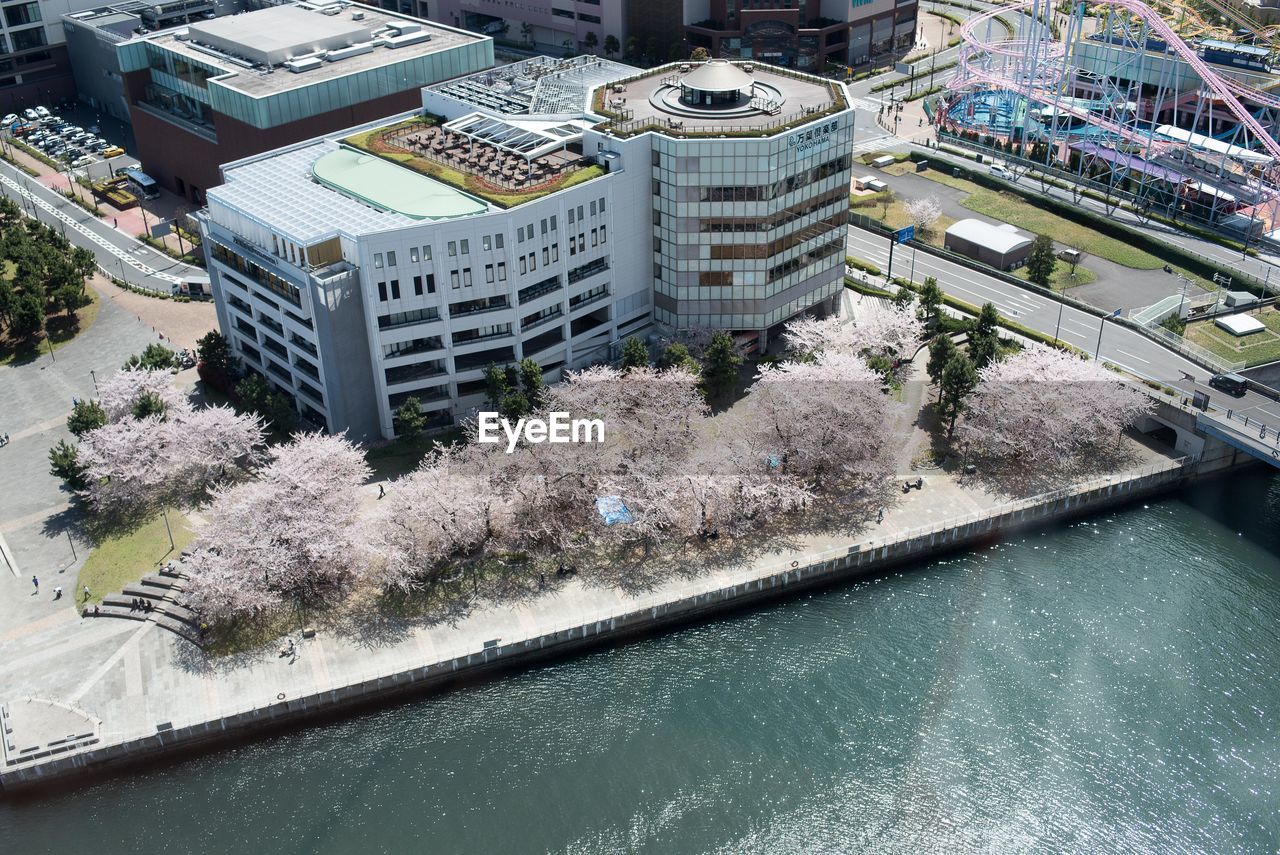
(382, 142)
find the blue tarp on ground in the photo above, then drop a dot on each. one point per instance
(612, 510)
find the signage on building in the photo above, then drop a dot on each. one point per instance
(812, 139)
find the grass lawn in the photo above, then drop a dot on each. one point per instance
(1062, 276)
(1009, 208)
(1253, 349)
(123, 559)
(59, 329)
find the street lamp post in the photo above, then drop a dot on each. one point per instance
(169, 531)
(1182, 302)
(1058, 327)
(1101, 326)
(95, 380)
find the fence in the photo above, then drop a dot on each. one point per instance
(1192, 351)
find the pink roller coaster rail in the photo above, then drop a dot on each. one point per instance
(1228, 91)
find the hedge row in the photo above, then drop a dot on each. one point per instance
(859, 264)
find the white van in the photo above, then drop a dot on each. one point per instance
(1000, 172)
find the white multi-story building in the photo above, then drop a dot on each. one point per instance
(543, 210)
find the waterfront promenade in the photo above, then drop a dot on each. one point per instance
(91, 691)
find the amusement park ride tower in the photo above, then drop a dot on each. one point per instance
(1112, 96)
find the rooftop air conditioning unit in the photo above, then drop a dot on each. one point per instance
(357, 16)
(297, 66)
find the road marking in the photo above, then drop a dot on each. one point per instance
(1131, 356)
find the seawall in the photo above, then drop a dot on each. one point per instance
(500, 654)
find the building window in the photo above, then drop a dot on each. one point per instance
(395, 289)
(488, 273)
(431, 283)
(417, 286)
(593, 237)
(466, 247)
(546, 255)
(453, 279)
(553, 222)
(466, 276)
(486, 242)
(555, 252)
(524, 266)
(377, 260)
(382, 291)
(603, 237)
(413, 255)
(571, 216)
(426, 253)
(497, 241)
(502, 271)
(391, 258)
(593, 207)
(453, 248)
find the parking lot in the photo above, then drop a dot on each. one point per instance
(85, 149)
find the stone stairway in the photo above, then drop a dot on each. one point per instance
(157, 598)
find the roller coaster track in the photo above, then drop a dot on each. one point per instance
(1042, 87)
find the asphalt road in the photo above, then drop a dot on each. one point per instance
(118, 254)
(1121, 345)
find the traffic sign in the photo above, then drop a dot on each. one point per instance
(904, 234)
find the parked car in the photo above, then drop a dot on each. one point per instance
(43, 112)
(11, 118)
(30, 115)
(1000, 172)
(103, 146)
(82, 160)
(113, 151)
(94, 129)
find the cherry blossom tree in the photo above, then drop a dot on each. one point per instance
(170, 458)
(292, 535)
(442, 511)
(881, 331)
(923, 212)
(120, 393)
(1047, 407)
(825, 420)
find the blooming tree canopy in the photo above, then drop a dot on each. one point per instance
(169, 455)
(923, 212)
(1048, 407)
(825, 420)
(292, 534)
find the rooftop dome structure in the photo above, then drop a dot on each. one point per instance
(717, 75)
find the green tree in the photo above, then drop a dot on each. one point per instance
(148, 404)
(676, 355)
(410, 417)
(720, 366)
(531, 382)
(634, 354)
(611, 46)
(526, 32)
(64, 463)
(155, 357)
(589, 41)
(515, 405)
(85, 416)
(984, 340)
(84, 262)
(495, 385)
(959, 379)
(214, 352)
(256, 396)
(904, 297)
(1042, 261)
(28, 317)
(930, 299)
(68, 297)
(941, 349)
(632, 51)
(700, 54)
(8, 299)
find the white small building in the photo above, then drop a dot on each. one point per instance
(1239, 325)
(1000, 246)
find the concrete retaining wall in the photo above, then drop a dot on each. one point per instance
(856, 562)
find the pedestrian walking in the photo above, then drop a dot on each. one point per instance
(57, 592)
(880, 516)
(86, 593)
(381, 491)
(36, 582)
